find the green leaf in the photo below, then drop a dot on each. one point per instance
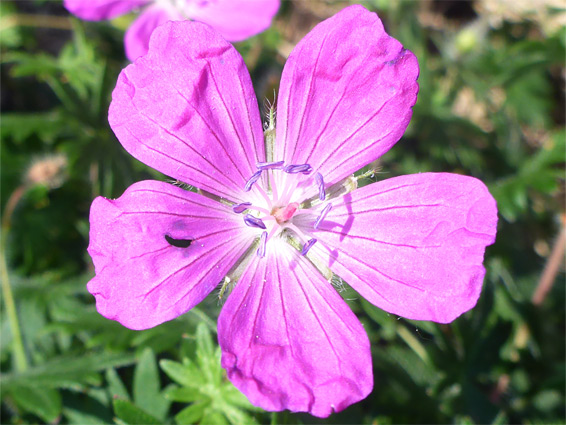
(131, 414)
(46, 125)
(187, 374)
(234, 397)
(214, 417)
(147, 387)
(76, 416)
(192, 413)
(541, 171)
(115, 385)
(66, 371)
(42, 402)
(237, 416)
(88, 406)
(205, 346)
(183, 394)
(208, 357)
(388, 322)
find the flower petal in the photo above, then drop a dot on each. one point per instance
(188, 109)
(236, 20)
(346, 95)
(96, 10)
(288, 339)
(158, 250)
(136, 41)
(412, 245)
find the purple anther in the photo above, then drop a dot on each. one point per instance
(262, 242)
(322, 215)
(308, 246)
(252, 221)
(240, 208)
(255, 177)
(270, 165)
(320, 183)
(300, 168)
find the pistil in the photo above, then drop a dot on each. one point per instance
(285, 213)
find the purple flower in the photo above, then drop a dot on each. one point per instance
(236, 20)
(411, 245)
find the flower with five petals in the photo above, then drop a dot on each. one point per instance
(278, 215)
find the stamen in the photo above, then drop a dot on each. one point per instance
(297, 231)
(322, 215)
(270, 165)
(255, 177)
(240, 208)
(320, 182)
(308, 246)
(264, 195)
(262, 242)
(252, 221)
(298, 168)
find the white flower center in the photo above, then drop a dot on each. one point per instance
(280, 190)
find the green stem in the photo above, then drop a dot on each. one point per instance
(20, 359)
(38, 21)
(414, 343)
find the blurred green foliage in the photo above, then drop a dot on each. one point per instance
(491, 105)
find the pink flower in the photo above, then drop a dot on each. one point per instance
(277, 220)
(236, 20)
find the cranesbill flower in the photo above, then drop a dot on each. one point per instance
(236, 20)
(279, 217)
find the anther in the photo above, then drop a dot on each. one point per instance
(320, 183)
(252, 221)
(262, 242)
(270, 165)
(322, 215)
(298, 168)
(308, 246)
(240, 208)
(255, 177)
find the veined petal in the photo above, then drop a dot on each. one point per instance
(288, 339)
(136, 40)
(188, 109)
(158, 250)
(96, 10)
(346, 95)
(236, 20)
(412, 245)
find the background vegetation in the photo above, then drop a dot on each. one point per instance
(491, 105)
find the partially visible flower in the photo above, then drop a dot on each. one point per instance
(278, 213)
(236, 20)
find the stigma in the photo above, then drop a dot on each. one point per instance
(284, 214)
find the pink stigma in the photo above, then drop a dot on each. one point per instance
(284, 213)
